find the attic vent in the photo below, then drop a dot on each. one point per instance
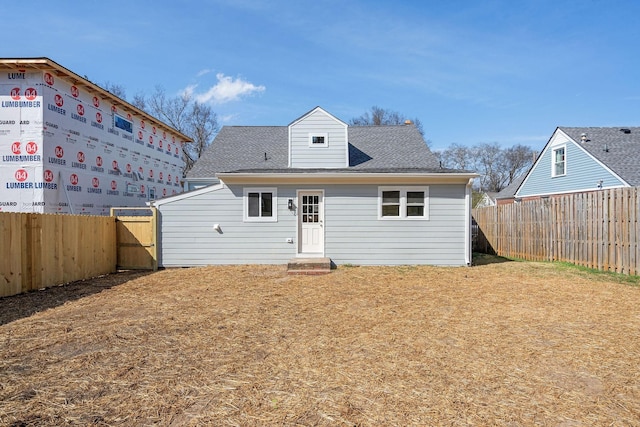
(625, 130)
(583, 137)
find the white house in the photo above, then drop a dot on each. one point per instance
(365, 195)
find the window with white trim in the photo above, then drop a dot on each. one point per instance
(558, 161)
(260, 204)
(403, 202)
(318, 140)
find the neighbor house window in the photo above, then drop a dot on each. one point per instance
(558, 162)
(403, 202)
(260, 204)
(318, 140)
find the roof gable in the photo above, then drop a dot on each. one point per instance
(316, 110)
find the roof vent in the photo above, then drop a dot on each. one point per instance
(583, 137)
(625, 130)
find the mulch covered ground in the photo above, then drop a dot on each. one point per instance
(513, 344)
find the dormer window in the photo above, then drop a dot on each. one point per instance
(558, 162)
(318, 140)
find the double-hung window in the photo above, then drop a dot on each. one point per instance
(403, 202)
(260, 204)
(558, 161)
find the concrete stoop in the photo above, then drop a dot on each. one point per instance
(309, 266)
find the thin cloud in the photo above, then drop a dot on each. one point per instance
(227, 118)
(228, 89)
(189, 90)
(203, 72)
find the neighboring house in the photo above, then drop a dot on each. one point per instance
(507, 194)
(487, 198)
(584, 159)
(366, 195)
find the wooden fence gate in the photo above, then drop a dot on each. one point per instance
(136, 240)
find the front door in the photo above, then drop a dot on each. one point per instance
(311, 223)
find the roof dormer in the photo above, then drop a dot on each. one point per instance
(318, 140)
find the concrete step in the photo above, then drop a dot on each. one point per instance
(309, 266)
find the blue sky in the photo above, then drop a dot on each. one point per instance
(471, 71)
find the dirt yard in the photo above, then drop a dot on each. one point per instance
(510, 344)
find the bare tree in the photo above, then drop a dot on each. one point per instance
(519, 159)
(378, 116)
(203, 125)
(490, 165)
(458, 157)
(197, 121)
(382, 117)
(115, 89)
(139, 101)
(497, 167)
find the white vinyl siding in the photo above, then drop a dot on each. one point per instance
(353, 232)
(303, 153)
(187, 237)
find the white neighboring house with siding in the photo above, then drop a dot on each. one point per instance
(365, 195)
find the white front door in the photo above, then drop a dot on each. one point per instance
(311, 222)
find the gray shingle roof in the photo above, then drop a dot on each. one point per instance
(509, 191)
(613, 147)
(265, 148)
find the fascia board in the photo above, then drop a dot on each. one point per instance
(347, 178)
(516, 194)
(187, 194)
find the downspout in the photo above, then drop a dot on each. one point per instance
(467, 224)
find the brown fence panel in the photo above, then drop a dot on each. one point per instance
(41, 250)
(597, 229)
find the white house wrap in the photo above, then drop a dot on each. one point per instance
(69, 146)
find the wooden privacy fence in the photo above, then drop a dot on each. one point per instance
(41, 250)
(597, 230)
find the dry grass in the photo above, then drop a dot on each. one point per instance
(501, 344)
